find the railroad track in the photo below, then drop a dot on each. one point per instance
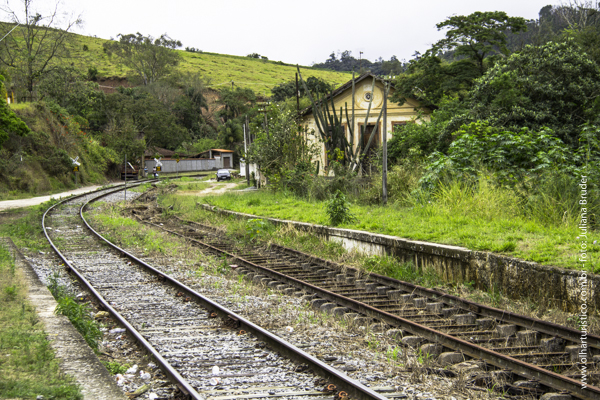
(204, 348)
(538, 357)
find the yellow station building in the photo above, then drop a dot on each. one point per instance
(396, 114)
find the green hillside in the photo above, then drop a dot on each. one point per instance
(217, 69)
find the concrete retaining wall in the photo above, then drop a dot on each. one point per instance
(547, 286)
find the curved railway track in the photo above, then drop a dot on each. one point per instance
(542, 357)
(205, 349)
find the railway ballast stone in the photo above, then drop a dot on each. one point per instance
(395, 333)
(556, 396)
(317, 303)
(379, 327)
(339, 311)
(327, 306)
(506, 330)
(448, 312)
(450, 358)
(420, 302)
(485, 323)
(432, 349)
(412, 341)
(573, 352)
(434, 307)
(464, 319)
(528, 337)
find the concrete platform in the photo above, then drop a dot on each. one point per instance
(75, 356)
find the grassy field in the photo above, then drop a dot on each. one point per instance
(507, 234)
(27, 364)
(217, 69)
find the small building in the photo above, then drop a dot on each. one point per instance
(396, 115)
(222, 157)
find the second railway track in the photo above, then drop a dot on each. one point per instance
(544, 355)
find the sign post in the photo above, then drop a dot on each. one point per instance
(76, 165)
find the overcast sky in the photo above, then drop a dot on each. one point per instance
(300, 32)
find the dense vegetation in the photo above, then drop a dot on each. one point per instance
(62, 107)
(512, 144)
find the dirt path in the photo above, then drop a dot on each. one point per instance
(216, 188)
(6, 204)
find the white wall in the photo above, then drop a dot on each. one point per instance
(204, 164)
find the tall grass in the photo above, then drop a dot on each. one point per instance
(28, 366)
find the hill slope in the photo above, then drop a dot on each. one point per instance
(216, 69)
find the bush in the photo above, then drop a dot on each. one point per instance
(402, 185)
(338, 209)
(509, 156)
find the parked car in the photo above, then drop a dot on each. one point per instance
(223, 175)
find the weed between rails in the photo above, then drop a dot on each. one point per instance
(78, 314)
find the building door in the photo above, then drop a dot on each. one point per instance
(372, 152)
(226, 162)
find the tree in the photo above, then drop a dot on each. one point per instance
(36, 43)
(317, 86)
(236, 102)
(150, 59)
(67, 87)
(478, 35)
(554, 86)
(9, 122)
(451, 66)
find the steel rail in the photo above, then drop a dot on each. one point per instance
(548, 328)
(519, 367)
(173, 375)
(356, 389)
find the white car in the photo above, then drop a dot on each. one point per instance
(223, 175)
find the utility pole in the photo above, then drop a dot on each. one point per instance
(125, 192)
(360, 62)
(246, 140)
(297, 96)
(386, 87)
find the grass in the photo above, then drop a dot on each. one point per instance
(24, 227)
(477, 228)
(27, 364)
(219, 70)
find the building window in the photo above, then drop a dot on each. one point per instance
(396, 126)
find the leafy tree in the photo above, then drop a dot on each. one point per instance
(284, 155)
(555, 86)
(139, 114)
(471, 42)
(150, 58)
(510, 156)
(9, 122)
(317, 86)
(35, 44)
(69, 89)
(231, 133)
(478, 35)
(236, 102)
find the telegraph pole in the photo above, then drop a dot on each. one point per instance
(125, 192)
(386, 87)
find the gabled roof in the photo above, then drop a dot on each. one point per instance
(339, 90)
(152, 150)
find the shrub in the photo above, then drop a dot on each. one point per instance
(338, 209)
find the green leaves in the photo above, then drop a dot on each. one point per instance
(552, 86)
(338, 209)
(150, 58)
(508, 155)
